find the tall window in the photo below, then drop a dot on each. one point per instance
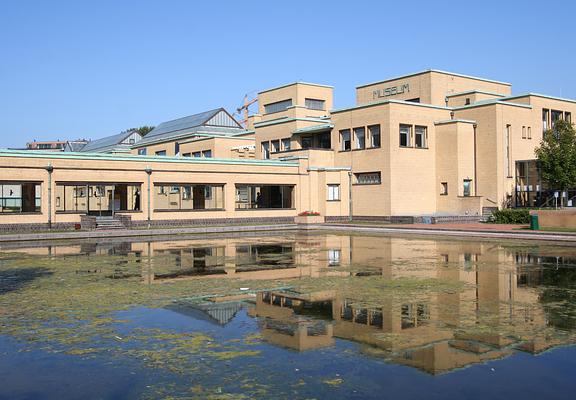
(176, 148)
(315, 104)
(286, 145)
(20, 197)
(420, 137)
(264, 196)
(275, 146)
(374, 135)
(556, 116)
(278, 106)
(568, 117)
(405, 135)
(443, 188)
(333, 192)
(265, 150)
(545, 119)
(529, 133)
(368, 178)
(345, 140)
(467, 189)
(523, 132)
(360, 137)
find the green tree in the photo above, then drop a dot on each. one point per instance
(143, 130)
(557, 156)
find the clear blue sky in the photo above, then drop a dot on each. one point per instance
(72, 69)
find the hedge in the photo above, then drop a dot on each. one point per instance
(510, 216)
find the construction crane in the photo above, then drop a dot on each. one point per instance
(244, 108)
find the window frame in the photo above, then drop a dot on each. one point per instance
(408, 136)
(333, 192)
(372, 146)
(424, 144)
(342, 141)
(357, 137)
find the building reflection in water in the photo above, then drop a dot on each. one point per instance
(506, 304)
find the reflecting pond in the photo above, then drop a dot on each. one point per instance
(291, 316)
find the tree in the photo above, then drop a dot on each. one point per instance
(143, 130)
(557, 156)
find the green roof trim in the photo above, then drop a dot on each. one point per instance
(492, 102)
(205, 136)
(138, 158)
(451, 121)
(382, 102)
(456, 94)
(314, 128)
(283, 120)
(438, 72)
(181, 136)
(329, 169)
(544, 96)
(296, 83)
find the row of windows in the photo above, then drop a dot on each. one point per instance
(526, 132)
(466, 188)
(360, 138)
(312, 104)
(162, 153)
(20, 197)
(413, 136)
(549, 118)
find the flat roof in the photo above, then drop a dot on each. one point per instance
(138, 158)
(492, 102)
(437, 71)
(456, 94)
(390, 101)
(296, 83)
(539, 95)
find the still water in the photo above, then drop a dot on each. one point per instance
(291, 316)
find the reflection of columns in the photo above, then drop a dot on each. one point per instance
(50, 169)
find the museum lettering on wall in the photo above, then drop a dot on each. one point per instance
(391, 91)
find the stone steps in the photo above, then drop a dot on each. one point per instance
(108, 223)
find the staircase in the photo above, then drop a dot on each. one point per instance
(108, 223)
(487, 212)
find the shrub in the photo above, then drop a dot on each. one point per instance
(510, 216)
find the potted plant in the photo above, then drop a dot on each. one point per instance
(309, 217)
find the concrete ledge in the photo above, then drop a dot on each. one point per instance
(556, 218)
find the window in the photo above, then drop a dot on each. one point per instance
(416, 100)
(161, 153)
(265, 150)
(324, 140)
(286, 145)
(345, 140)
(467, 187)
(405, 135)
(187, 155)
(20, 197)
(44, 146)
(333, 192)
(184, 197)
(467, 101)
(556, 116)
(529, 133)
(334, 256)
(545, 119)
(360, 137)
(420, 137)
(374, 135)
(176, 148)
(197, 154)
(307, 142)
(523, 132)
(207, 154)
(277, 107)
(314, 104)
(275, 146)
(443, 188)
(368, 178)
(264, 196)
(131, 141)
(568, 117)
(142, 152)
(99, 198)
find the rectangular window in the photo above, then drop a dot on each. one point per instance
(324, 140)
(188, 197)
(360, 137)
(275, 146)
(315, 104)
(467, 101)
(467, 187)
(277, 107)
(97, 198)
(545, 113)
(420, 137)
(187, 155)
(286, 145)
(197, 154)
(368, 178)
(333, 192)
(556, 116)
(20, 197)
(265, 150)
(264, 196)
(444, 189)
(374, 135)
(307, 142)
(405, 135)
(523, 132)
(568, 117)
(176, 148)
(345, 140)
(207, 154)
(334, 256)
(142, 152)
(161, 153)
(529, 133)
